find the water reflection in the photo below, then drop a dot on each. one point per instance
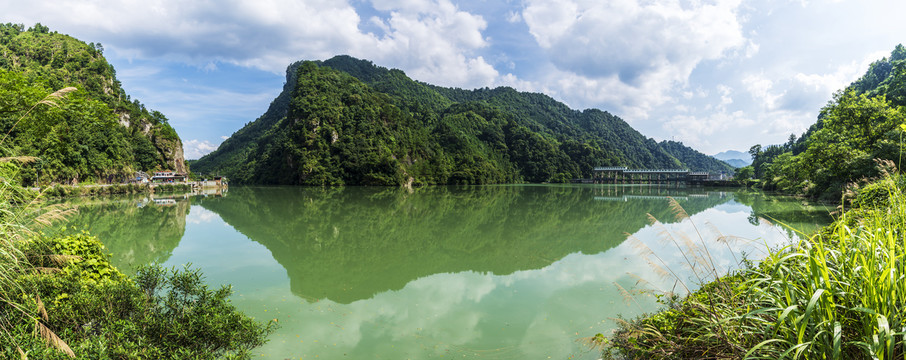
(349, 244)
(136, 229)
(498, 272)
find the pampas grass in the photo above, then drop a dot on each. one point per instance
(52, 100)
(837, 294)
(20, 215)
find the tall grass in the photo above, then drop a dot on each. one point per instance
(839, 294)
(21, 214)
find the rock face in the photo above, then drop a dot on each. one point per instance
(177, 158)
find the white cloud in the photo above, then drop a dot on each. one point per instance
(262, 33)
(701, 129)
(514, 17)
(632, 49)
(644, 60)
(759, 86)
(788, 102)
(431, 39)
(195, 149)
(725, 91)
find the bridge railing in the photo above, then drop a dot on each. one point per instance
(651, 171)
(641, 171)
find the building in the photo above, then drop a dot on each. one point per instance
(166, 177)
(217, 181)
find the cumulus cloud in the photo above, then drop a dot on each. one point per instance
(195, 149)
(647, 61)
(789, 102)
(700, 130)
(801, 91)
(644, 47)
(431, 39)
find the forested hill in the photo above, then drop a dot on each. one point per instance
(96, 133)
(345, 121)
(858, 136)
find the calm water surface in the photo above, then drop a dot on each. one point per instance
(492, 272)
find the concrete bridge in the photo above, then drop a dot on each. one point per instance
(623, 175)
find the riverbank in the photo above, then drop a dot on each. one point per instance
(61, 191)
(840, 294)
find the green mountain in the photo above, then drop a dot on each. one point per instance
(97, 133)
(345, 121)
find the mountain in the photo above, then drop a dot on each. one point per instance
(735, 158)
(346, 121)
(96, 133)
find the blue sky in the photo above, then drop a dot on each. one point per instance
(716, 75)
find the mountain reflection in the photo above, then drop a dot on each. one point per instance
(137, 230)
(348, 244)
(505, 272)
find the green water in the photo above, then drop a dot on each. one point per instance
(493, 272)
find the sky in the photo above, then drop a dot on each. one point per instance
(716, 75)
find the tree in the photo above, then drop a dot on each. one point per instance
(862, 118)
(744, 173)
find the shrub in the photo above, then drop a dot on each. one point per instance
(101, 313)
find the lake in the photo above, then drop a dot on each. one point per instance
(482, 272)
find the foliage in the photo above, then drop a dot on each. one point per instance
(346, 121)
(100, 313)
(856, 130)
(97, 133)
(839, 294)
(61, 191)
(60, 297)
(745, 173)
(86, 262)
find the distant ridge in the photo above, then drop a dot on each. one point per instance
(735, 158)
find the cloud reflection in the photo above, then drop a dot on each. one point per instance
(526, 314)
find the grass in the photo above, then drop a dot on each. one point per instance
(838, 294)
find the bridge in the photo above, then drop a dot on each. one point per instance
(624, 175)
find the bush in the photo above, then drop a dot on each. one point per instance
(101, 313)
(877, 194)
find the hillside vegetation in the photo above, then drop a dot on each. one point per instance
(345, 121)
(859, 128)
(96, 132)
